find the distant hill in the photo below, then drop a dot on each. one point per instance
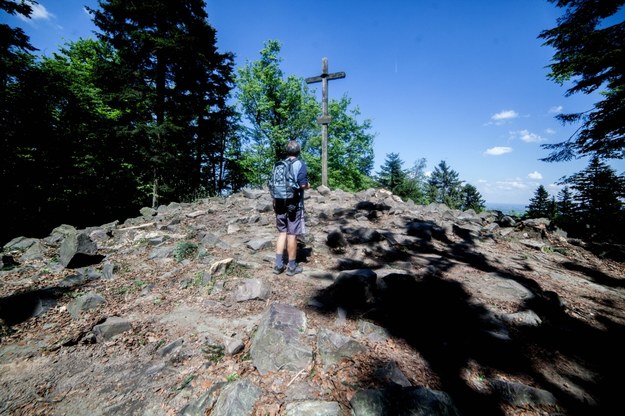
(506, 208)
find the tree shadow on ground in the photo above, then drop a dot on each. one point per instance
(451, 330)
(19, 307)
(595, 275)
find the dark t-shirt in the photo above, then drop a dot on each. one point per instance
(301, 171)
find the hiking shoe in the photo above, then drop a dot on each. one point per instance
(278, 270)
(295, 270)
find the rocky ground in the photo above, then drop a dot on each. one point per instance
(476, 301)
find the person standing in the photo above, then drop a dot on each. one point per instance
(290, 215)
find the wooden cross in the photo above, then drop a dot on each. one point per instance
(324, 120)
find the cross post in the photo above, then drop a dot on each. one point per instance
(324, 120)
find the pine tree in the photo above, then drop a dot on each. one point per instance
(172, 85)
(445, 186)
(392, 175)
(589, 44)
(566, 208)
(472, 199)
(540, 204)
(599, 193)
(414, 186)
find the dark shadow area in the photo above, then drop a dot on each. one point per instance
(303, 253)
(81, 260)
(595, 275)
(18, 308)
(612, 251)
(450, 330)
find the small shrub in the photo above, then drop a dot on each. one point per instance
(184, 250)
(232, 377)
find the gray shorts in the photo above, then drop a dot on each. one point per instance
(291, 222)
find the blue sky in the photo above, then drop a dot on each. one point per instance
(459, 81)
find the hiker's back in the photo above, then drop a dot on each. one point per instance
(283, 182)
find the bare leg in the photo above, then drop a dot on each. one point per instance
(291, 246)
(281, 243)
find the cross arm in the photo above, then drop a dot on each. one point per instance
(334, 75)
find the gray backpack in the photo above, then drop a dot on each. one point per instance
(282, 183)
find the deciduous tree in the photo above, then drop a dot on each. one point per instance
(277, 108)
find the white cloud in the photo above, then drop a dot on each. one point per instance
(507, 185)
(535, 175)
(510, 185)
(526, 136)
(39, 13)
(504, 115)
(497, 151)
(550, 131)
(556, 109)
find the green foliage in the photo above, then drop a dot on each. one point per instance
(445, 187)
(540, 204)
(598, 194)
(188, 379)
(471, 199)
(350, 144)
(392, 175)
(214, 353)
(95, 130)
(589, 45)
(277, 109)
(232, 377)
(415, 184)
(565, 209)
(171, 85)
(184, 250)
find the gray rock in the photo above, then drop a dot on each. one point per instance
(390, 373)
(111, 327)
(162, 252)
(279, 342)
(84, 303)
(420, 401)
(313, 408)
(78, 250)
(336, 239)
(19, 243)
(260, 243)
(148, 212)
(171, 347)
(237, 398)
(203, 403)
(518, 394)
(35, 251)
(234, 346)
(369, 403)
(528, 318)
(252, 289)
(332, 347)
